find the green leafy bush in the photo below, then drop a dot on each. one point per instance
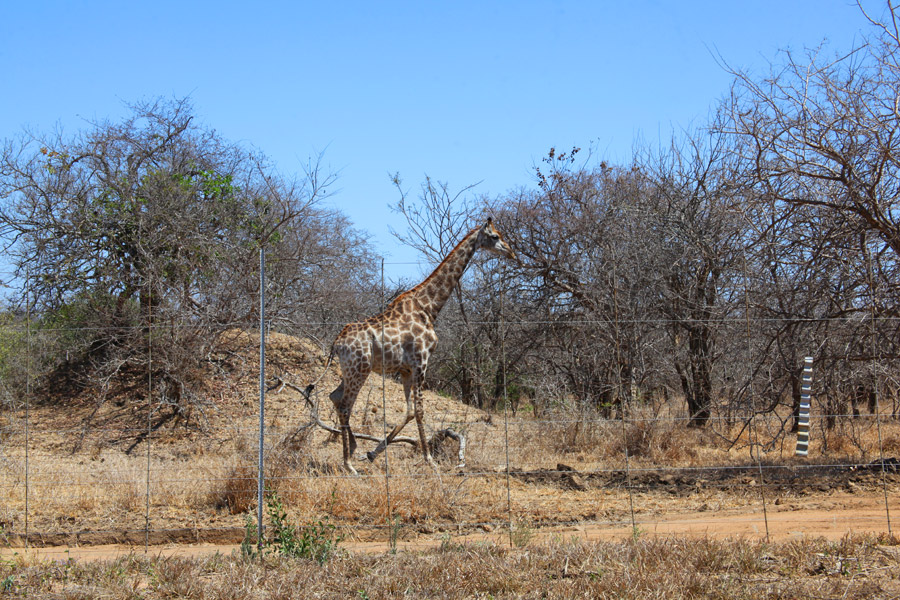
(317, 541)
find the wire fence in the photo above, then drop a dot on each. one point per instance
(113, 472)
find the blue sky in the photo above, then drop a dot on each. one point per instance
(461, 91)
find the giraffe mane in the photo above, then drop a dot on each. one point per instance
(434, 272)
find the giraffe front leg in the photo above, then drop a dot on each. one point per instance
(373, 454)
(383, 444)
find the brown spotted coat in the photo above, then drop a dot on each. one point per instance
(401, 339)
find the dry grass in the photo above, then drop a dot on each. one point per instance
(853, 568)
(86, 475)
(210, 480)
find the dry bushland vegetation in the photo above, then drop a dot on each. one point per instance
(89, 480)
(641, 360)
(855, 567)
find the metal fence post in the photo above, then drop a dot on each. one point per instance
(27, 390)
(260, 477)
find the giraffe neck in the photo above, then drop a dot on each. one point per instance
(434, 292)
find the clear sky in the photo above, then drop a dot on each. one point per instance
(462, 91)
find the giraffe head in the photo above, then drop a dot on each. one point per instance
(491, 240)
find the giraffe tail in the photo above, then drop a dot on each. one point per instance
(311, 386)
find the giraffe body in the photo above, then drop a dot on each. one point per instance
(401, 339)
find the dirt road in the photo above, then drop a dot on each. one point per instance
(831, 517)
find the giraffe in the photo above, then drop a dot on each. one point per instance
(404, 336)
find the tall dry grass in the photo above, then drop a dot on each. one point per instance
(208, 479)
(659, 437)
(673, 568)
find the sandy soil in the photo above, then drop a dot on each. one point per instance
(832, 518)
(92, 477)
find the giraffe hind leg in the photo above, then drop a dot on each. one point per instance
(352, 440)
(343, 404)
(345, 408)
(419, 411)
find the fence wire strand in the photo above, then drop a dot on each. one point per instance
(158, 475)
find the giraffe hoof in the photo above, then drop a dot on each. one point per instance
(371, 455)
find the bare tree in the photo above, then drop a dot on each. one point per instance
(690, 190)
(819, 138)
(824, 131)
(582, 280)
(142, 235)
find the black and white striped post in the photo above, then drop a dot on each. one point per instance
(803, 416)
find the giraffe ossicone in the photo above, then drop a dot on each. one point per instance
(401, 339)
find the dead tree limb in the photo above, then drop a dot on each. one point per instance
(435, 442)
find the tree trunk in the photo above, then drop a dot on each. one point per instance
(700, 401)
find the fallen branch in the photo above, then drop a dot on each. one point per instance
(435, 442)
